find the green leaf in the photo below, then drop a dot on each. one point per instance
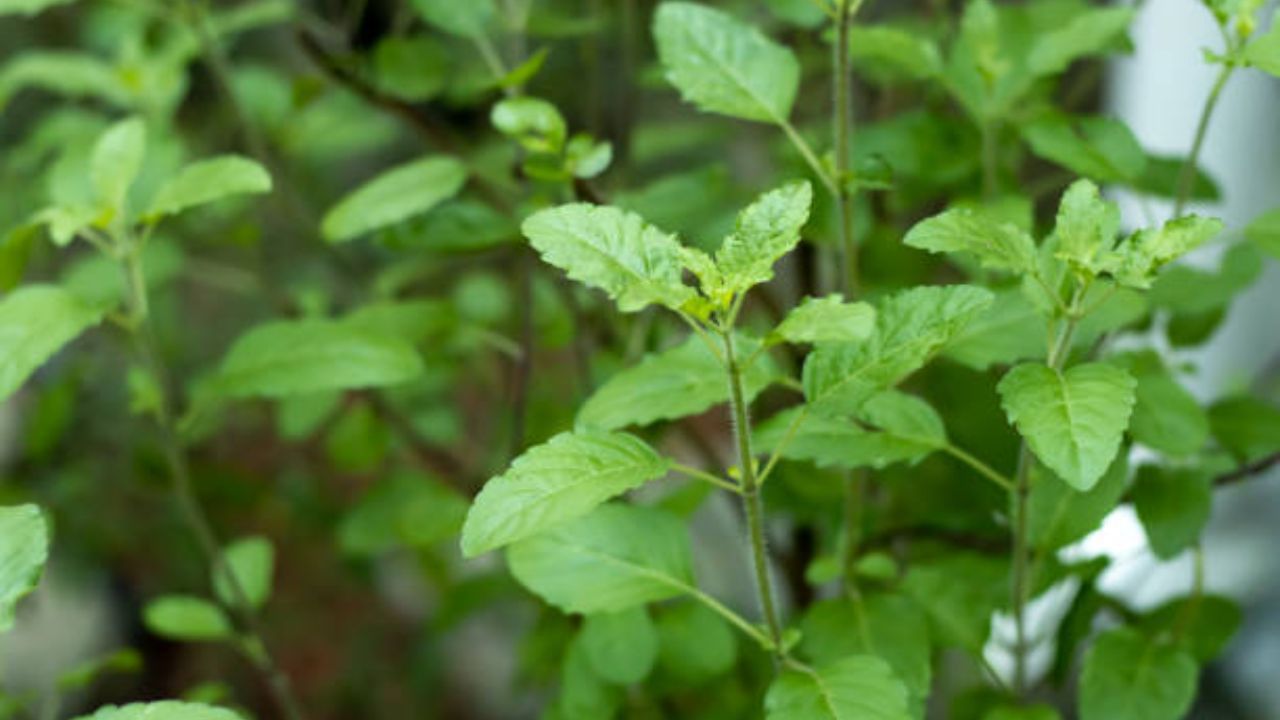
(116, 160)
(534, 122)
(614, 558)
(465, 19)
(72, 74)
(1011, 329)
(685, 380)
(394, 195)
(1098, 148)
(35, 322)
(766, 230)
(414, 68)
(252, 560)
(1265, 231)
(959, 593)
(583, 693)
(889, 626)
(696, 644)
(911, 327)
(1025, 712)
(1165, 416)
(998, 245)
(1246, 426)
(164, 710)
(187, 618)
(862, 687)
(208, 181)
(1093, 32)
(1128, 676)
(1201, 625)
(899, 428)
(622, 647)
(1136, 260)
(24, 548)
(903, 52)
(28, 7)
(1188, 291)
(1074, 421)
(1264, 51)
(635, 263)
(1173, 505)
(557, 481)
(724, 66)
(1058, 514)
(403, 510)
(827, 320)
(1086, 226)
(300, 357)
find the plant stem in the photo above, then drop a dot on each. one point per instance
(981, 467)
(1187, 176)
(847, 256)
(184, 494)
(697, 474)
(990, 160)
(751, 504)
(809, 155)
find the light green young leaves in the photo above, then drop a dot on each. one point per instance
(998, 245)
(1086, 226)
(615, 558)
(187, 618)
(299, 357)
(724, 66)
(395, 195)
(1073, 420)
(911, 327)
(208, 181)
(164, 710)
(35, 322)
(861, 686)
(828, 319)
(1128, 676)
(1136, 261)
(1264, 51)
(635, 263)
(24, 548)
(766, 230)
(252, 561)
(683, 381)
(115, 162)
(550, 484)
(533, 122)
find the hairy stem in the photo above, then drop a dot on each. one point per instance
(751, 504)
(1187, 175)
(184, 494)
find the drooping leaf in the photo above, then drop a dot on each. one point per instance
(394, 195)
(998, 245)
(683, 381)
(889, 626)
(724, 66)
(1090, 33)
(252, 560)
(635, 263)
(1173, 505)
(1058, 514)
(116, 159)
(827, 319)
(207, 181)
(465, 19)
(911, 327)
(1128, 676)
(1074, 420)
(188, 618)
(24, 548)
(300, 357)
(163, 710)
(766, 230)
(622, 647)
(614, 558)
(35, 322)
(557, 481)
(860, 686)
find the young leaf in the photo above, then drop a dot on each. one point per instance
(252, 560)
(622, 647)
(164, 710)
(998, 245)
(911, 327)
(889, 626)
(685, 380)
(464, 19)
(35, 322)
(207, 181)
(1128, 676)
(766, 230)
(724, 66)
(1086, 226)
(395, 195)
(827, 320)
(299, 357)
(117, 157)
(1074, 421)
(860, 686)
(695, 644)
(535, 123)
(1136, 260)
(635, 263)
(188, 618)
(1264, 51)
(24, 548)
(555, 482)
(1092, 32)
(615, 558)
(1173, 505)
